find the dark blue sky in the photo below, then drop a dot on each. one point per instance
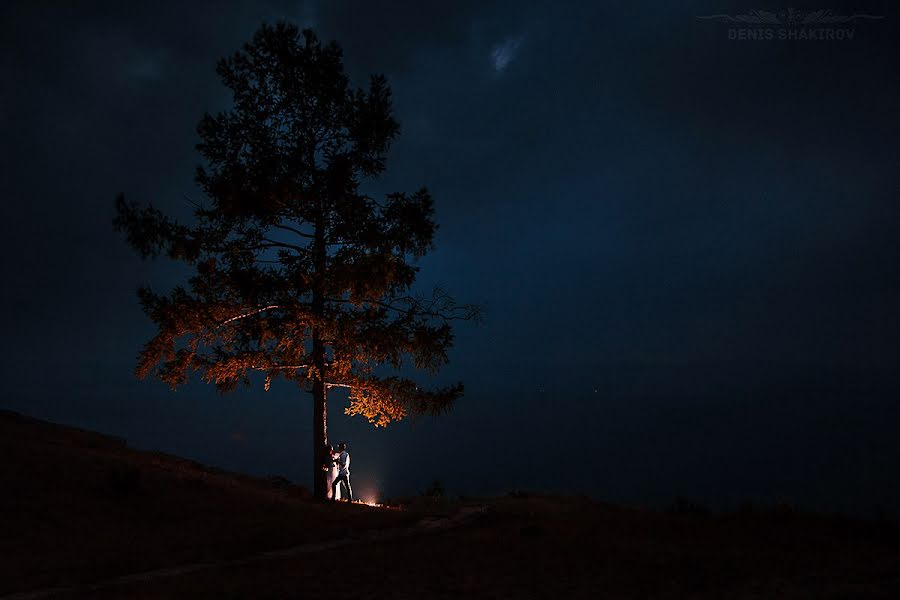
(686, 245)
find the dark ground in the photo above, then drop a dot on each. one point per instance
(79, 508)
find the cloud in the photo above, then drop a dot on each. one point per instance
(502, 54)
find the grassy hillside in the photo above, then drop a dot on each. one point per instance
(78, 506)
(74, 512)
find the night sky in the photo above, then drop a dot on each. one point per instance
(687, 247)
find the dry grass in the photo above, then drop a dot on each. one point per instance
(566, 548)
(78, 506)
(74, 525)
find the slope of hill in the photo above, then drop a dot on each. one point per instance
(78, 506)
(79, 509)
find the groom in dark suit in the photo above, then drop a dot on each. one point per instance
(343, 463)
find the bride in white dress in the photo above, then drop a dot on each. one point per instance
(331, 473)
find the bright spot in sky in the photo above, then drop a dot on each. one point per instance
(504, 53)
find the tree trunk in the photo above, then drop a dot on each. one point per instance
(320, 407)
(320, 426)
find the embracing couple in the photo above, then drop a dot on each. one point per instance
(338, 468)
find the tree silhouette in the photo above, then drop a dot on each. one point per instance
(297, 273)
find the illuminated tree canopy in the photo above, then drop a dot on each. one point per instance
(296, 273)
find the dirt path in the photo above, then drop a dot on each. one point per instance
(426, 526)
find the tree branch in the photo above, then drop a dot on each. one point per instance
(276, 244)
(448, 313)
(251, 313)
(297, 231)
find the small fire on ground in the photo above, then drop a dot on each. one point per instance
(374, 504)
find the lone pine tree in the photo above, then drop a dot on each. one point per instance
(296, 273)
